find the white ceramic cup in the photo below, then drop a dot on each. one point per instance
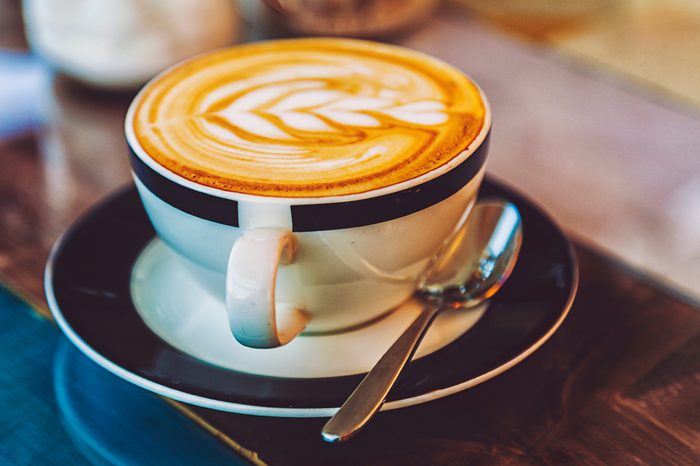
(287, 265)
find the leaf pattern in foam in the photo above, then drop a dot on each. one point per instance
(281, 110)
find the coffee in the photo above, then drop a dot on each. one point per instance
(307, 117)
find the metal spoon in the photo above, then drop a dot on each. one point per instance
(469, 269)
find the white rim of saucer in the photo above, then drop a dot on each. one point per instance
(269, 410)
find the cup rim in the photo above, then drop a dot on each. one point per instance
(455, 161)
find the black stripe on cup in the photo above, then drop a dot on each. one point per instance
(202, 205)
(320, 217)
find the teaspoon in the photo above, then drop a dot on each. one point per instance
(469, 269)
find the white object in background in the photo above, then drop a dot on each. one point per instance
(123, 43)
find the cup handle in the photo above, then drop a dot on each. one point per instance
(253, 316)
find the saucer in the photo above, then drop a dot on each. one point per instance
(106, 286)
(184, 314)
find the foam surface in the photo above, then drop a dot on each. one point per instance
(307, 118)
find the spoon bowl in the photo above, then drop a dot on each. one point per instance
(477, 260)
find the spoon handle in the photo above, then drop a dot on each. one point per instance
(369, 396)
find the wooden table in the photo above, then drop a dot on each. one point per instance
(619, 382)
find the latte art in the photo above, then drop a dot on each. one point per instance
(307, 118)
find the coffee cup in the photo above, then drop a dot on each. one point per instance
(325, 221)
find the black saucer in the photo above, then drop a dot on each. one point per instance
(88, 290)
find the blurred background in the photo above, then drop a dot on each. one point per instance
(596, 105)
